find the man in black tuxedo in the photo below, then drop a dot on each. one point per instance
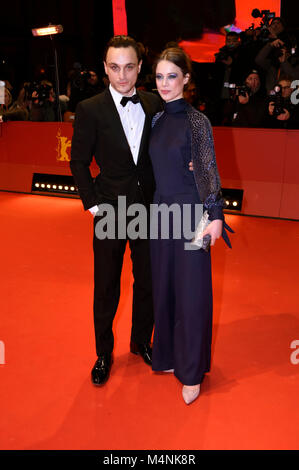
(116, 131)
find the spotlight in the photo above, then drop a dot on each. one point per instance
(233, 199)
(48, 30)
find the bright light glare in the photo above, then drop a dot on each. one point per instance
(47, 31)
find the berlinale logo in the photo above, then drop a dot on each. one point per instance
(62, 146)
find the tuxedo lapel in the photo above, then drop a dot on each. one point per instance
(113, 119)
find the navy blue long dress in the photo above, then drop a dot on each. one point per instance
(182, 284)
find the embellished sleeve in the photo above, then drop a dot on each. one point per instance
(204, 165)
(156, 117)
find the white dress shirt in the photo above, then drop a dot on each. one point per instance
(132, 118)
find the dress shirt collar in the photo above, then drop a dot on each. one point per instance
(118, 96)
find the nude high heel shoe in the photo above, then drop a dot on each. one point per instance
(190, 393)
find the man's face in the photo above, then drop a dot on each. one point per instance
(253, 82)
(122, 68)
(276, 27)
(191, 93)
(93, 80)
(232, 41)
(286, 89)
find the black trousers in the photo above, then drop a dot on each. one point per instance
(108, 261)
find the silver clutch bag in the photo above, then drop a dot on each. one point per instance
(199, 240)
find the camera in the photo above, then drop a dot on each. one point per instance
(266, 16)
(42, 91)
(294, 58)
(237, 90)
(290, 46)
(278, 100)
(223, 54)
(80, 77)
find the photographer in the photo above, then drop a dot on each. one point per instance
(267, 31)
(274, 59)
(276, 28)
(83, 84)
(254, 39)
(250, 102)
(198, 100)
(42, 101)
(282, 113)
(229, 67)
(10, 111)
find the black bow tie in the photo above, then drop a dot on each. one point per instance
(135, 99)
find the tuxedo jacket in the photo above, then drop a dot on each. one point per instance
(98, 132)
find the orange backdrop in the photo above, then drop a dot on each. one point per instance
(245, 7)
(203, 50)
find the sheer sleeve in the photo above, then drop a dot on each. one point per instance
(204, 165)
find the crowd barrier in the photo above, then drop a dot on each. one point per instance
(264, 163)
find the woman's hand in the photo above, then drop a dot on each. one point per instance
(214, 229)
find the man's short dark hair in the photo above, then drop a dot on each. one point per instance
(232, 34)
(278, 18)
(123, 41)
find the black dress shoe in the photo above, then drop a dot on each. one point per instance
(101, 369)
(144, 350)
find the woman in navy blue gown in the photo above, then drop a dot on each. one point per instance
(182, 285)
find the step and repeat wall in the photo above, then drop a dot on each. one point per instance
(262, 163)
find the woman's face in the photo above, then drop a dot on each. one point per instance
(170, 81)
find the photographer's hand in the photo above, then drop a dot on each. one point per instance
(285, 116)
(277, 43)
(34, 97)
(228, 61)
(271, 108)
(283, 56)
(243, 99)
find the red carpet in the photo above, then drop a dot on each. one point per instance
(47, 401)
